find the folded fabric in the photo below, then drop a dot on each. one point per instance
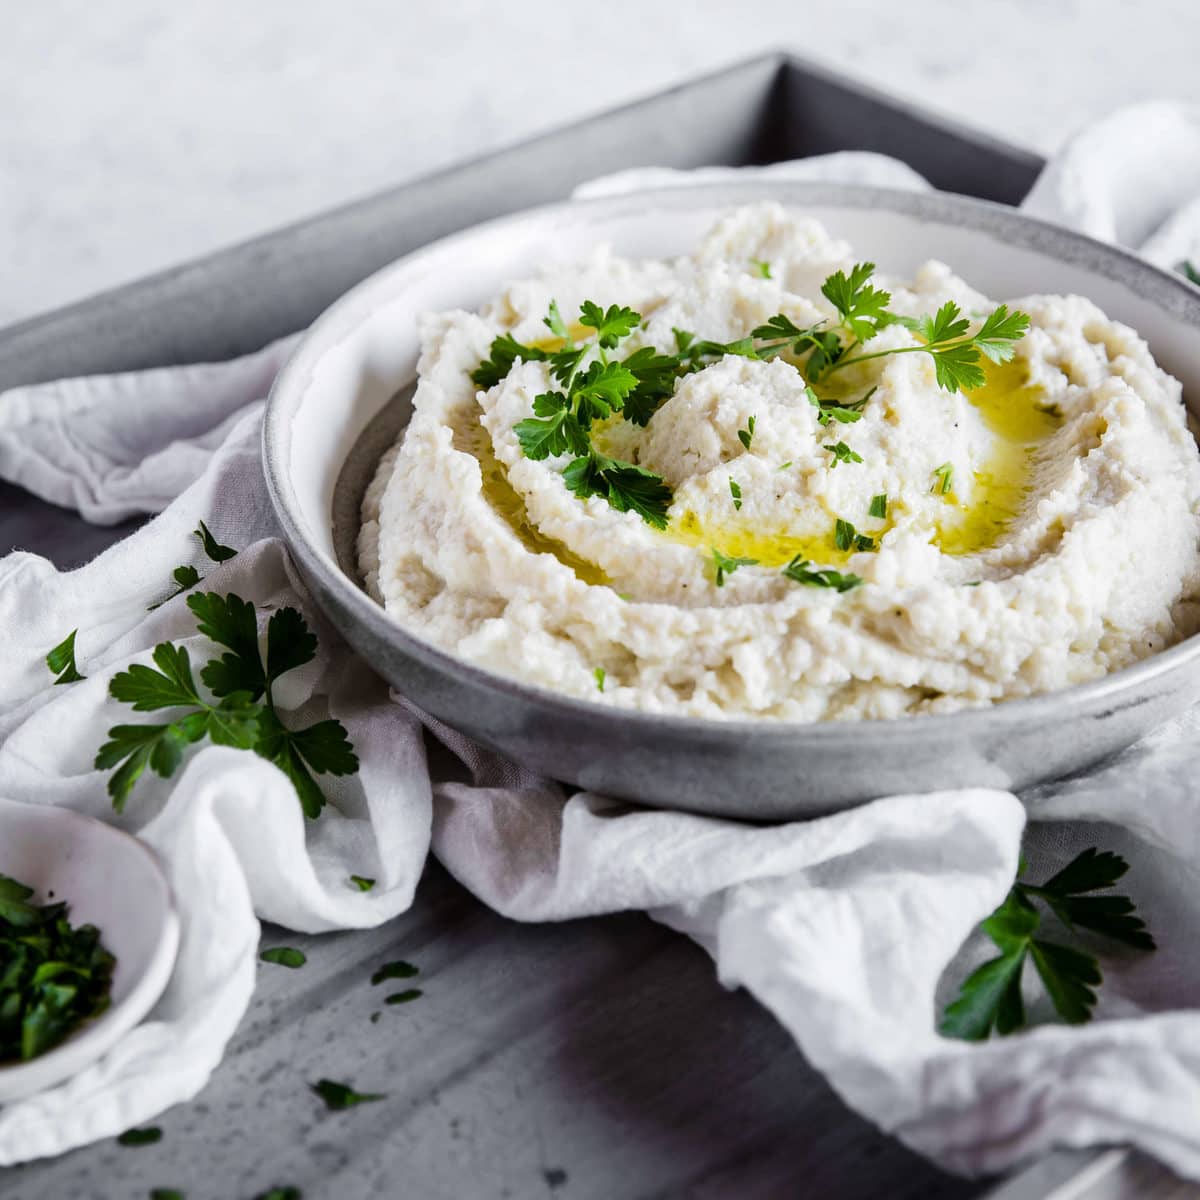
(843, 927)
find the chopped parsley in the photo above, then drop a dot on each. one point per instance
(395, 970)
(761, 267)
(846, 537)
(242, 713)
(61, 660)
(842, 453)
(54, 977)
(284, 956)
(943, 479)
(724, 565)
(879, 506)
(800, 570)
(990, 997)
(362, 882)
(599, 675)
(141, 1137)
(746, 436)
(404, 997)
(735, 490)
(280, 1193)
(339, 1096)
(1188, 271)
(166, 1194)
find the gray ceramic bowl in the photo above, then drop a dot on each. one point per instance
(345, 395)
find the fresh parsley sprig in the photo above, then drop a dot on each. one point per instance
(242, 713)
(990, 997)
(61, 660)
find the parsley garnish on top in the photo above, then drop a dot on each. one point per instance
(597, 385)
(990, 997)
(243, 713)
(53, 976)
(800, 570)
(725, 565)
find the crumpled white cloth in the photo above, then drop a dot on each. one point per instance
(844, 927)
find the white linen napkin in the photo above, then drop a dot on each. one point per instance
(843, 927)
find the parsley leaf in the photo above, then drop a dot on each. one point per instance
(284, 956)
(656, 375)
(141, 1137)
(746, 436)
(323, 748)
(230, 621)
(998, 336)
(800, 570)
(554, 322)
(215, 551)
(735, 490)
(186, 577)
(862, 307)
(846, 537)
(626, 487)
(505, 351)
(990, 997)
(725, 565)
(842, 453)
(339, 1096)
(61, 660)
(399, 969)
(610, 326)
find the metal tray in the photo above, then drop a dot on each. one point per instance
(769, 109)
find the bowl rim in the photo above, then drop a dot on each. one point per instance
(1164, 289)
(95, 1037)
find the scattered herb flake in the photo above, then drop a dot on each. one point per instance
(943, 479)
(404, 997)
(362, 882)
(879, 506)
(395, 970)
(284, 956)
(746, 436)
(724, 565)
(280, 1193)
(166, 1194)
(761, 267)
(599, 676)
(339, 1096)
(842, 453)
(61, 660)
(1188, 271)
(800, 570)
(735, 490)
(141, 1137)
(215, 551)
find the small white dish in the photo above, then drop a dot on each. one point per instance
(112, 881)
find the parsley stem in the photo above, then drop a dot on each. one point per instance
(929, 348)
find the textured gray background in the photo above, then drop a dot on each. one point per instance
(135, 134)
